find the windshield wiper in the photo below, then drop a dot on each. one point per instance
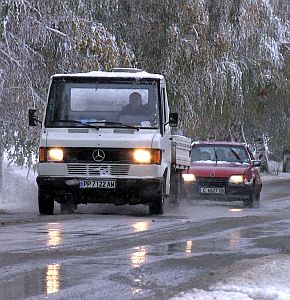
(215, 154)
(112, 123)
(236, 155)
(78, 122)
(89, 123)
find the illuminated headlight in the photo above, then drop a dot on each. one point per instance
(236, 179)
(142, 156)
(188, 177)
(55, 154)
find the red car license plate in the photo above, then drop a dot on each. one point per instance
(211, 190)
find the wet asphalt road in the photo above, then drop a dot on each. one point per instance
(106, 252)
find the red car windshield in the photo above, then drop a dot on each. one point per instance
(219, 153)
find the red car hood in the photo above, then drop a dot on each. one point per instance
(217, 169)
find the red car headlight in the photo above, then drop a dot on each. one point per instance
(236, 179)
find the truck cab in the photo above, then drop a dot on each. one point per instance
(94, 148)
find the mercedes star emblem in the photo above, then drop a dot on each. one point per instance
(98, 155)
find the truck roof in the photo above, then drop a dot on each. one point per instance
(116, 73)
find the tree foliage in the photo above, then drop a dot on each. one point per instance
(223, 60)
(38, 39)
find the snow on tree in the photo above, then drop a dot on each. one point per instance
(37, 39)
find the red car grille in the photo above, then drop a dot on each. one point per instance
(211, 182)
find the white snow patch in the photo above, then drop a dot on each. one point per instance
(264, 278)
(20, 190)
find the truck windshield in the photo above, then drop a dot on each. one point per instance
(113, 104)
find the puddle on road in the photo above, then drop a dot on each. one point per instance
(236, 241)
(44, 280)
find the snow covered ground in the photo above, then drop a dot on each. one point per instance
(20, 191)
(264, 278)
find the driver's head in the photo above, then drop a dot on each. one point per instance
(135, 99)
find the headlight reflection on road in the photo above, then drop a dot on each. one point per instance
(235, 209)
(52, 278)
(54, 237)
(136, 291)
(140, 226)
(235, 239)
(138, 256)
(188, 246)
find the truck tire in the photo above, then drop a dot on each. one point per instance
(175, 188)
(157, 207)
(45, 202)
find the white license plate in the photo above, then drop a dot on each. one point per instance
(209, 190)
(97, 184)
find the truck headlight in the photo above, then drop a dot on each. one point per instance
(54, 154)
(142, 156)
(236, 179)
(146, 156)
(188, 177)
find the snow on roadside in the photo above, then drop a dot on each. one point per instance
(20, 190)
(275, 173)
(264, 278)
(270, 177)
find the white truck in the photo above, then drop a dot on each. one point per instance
(92, 150)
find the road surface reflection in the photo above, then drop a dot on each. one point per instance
(188, 248)
(52, 278)
(235, 240)
(140, 226)
(54, 237)
(138, 257)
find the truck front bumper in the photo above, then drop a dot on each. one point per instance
(126, 191)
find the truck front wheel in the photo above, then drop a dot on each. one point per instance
(157, 207)
(45, 202)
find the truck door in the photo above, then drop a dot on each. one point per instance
(166, 136)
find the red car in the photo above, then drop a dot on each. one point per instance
(225, 171)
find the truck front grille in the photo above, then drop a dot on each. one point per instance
(85, 155)
(97, 169)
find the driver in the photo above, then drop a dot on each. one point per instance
(135, 106)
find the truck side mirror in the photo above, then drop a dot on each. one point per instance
(173, 119)
(32, 117)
